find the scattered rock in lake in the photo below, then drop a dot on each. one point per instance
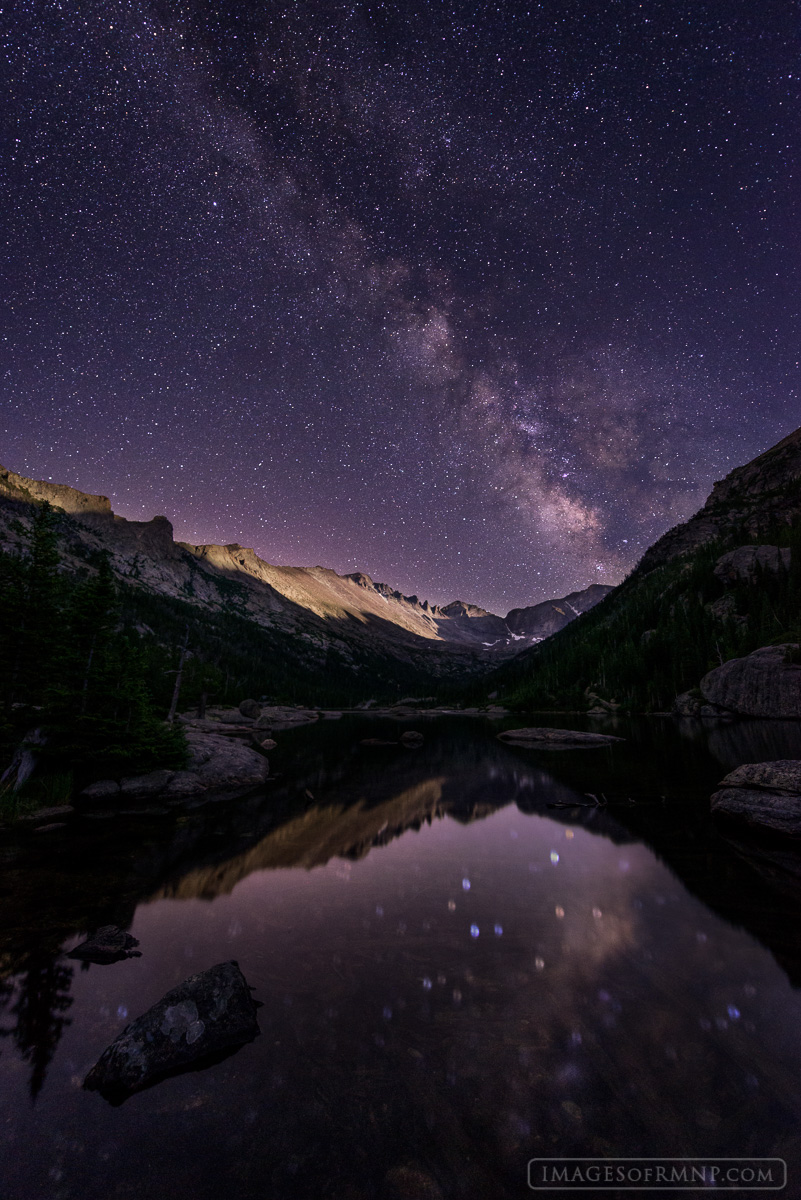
(747, 563)
(250, 708)
(556, 739)
(767, 683)
(765, 795)
(205, 1015)
(410, 1183)
(263, 743)
(107, 945)
(412, 739)
(283, 717)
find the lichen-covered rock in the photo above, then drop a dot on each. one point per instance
(107, 945)
(764, 795)
(250, 708)
(764, 684)
(746, 563)
(206, 1014)
(783, 775)
(546, 738)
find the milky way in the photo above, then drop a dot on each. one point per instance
(478, 298)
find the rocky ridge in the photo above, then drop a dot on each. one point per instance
(322, 608)
(751, 499)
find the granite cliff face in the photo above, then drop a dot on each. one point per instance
(327, 610)
(750, 501)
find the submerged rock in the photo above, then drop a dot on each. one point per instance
(766, 683)
(764, 795)
(108, 945)
(411, 738)
(555, 738)
(203, 1016)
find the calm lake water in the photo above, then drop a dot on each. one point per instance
(463, 963)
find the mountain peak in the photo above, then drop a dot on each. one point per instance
(460, 608)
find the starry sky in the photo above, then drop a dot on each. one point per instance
(477, 297)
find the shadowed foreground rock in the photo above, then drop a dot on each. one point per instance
(203, 1016)
(108, 945)
(765, 795)
(555, 739)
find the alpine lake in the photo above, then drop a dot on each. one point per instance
(468, 955)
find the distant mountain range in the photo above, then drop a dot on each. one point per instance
(347, 616)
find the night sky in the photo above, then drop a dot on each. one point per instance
(478, 298)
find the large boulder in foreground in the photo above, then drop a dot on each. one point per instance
(555, 739)
(764, 795)
(218, 767)
(218, 764)
(765, 684)
(202, 1017)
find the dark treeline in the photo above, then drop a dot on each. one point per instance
(90, 663)
(74, 679)
(657, 635)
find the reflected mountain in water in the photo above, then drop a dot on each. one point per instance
(337, 799)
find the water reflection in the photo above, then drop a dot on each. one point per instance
(36, 1002)
(456, 976)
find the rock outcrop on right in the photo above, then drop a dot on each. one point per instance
(710, 601)
(766, 683)
(754, 498)
(746, 563)
(763, 795)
